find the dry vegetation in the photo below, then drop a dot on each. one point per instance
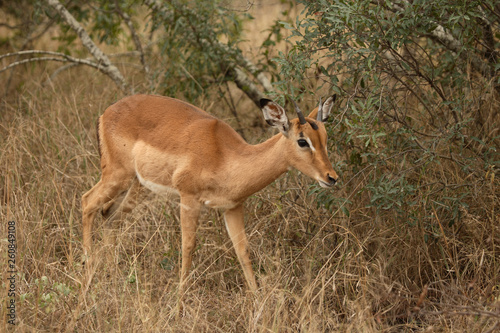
(318, 271)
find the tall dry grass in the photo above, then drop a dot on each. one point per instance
(318, 271)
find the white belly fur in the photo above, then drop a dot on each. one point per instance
(154, 187)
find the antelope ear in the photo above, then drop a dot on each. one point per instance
(275, 115)
(327, 107)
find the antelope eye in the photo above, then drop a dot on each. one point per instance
(302, 143)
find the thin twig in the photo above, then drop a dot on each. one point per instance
(75, 60)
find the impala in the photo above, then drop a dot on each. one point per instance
(167, 145)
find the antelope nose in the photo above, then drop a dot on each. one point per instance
(331, 179)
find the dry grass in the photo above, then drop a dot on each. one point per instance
(318, 271)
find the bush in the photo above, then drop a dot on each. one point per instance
(420, 84)
(416, 133)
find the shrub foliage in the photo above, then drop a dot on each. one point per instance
(419, 120)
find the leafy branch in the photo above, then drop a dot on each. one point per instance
(104, 64)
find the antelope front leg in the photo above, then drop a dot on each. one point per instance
(236, 229)
(190, 211)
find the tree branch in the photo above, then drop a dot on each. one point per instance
(246, 85)
(447, 40)
(63, 58)
(136, 40)
(489, 40)
(105, 65)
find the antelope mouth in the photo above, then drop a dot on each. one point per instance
(325, 184)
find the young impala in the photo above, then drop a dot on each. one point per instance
(167, 145)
